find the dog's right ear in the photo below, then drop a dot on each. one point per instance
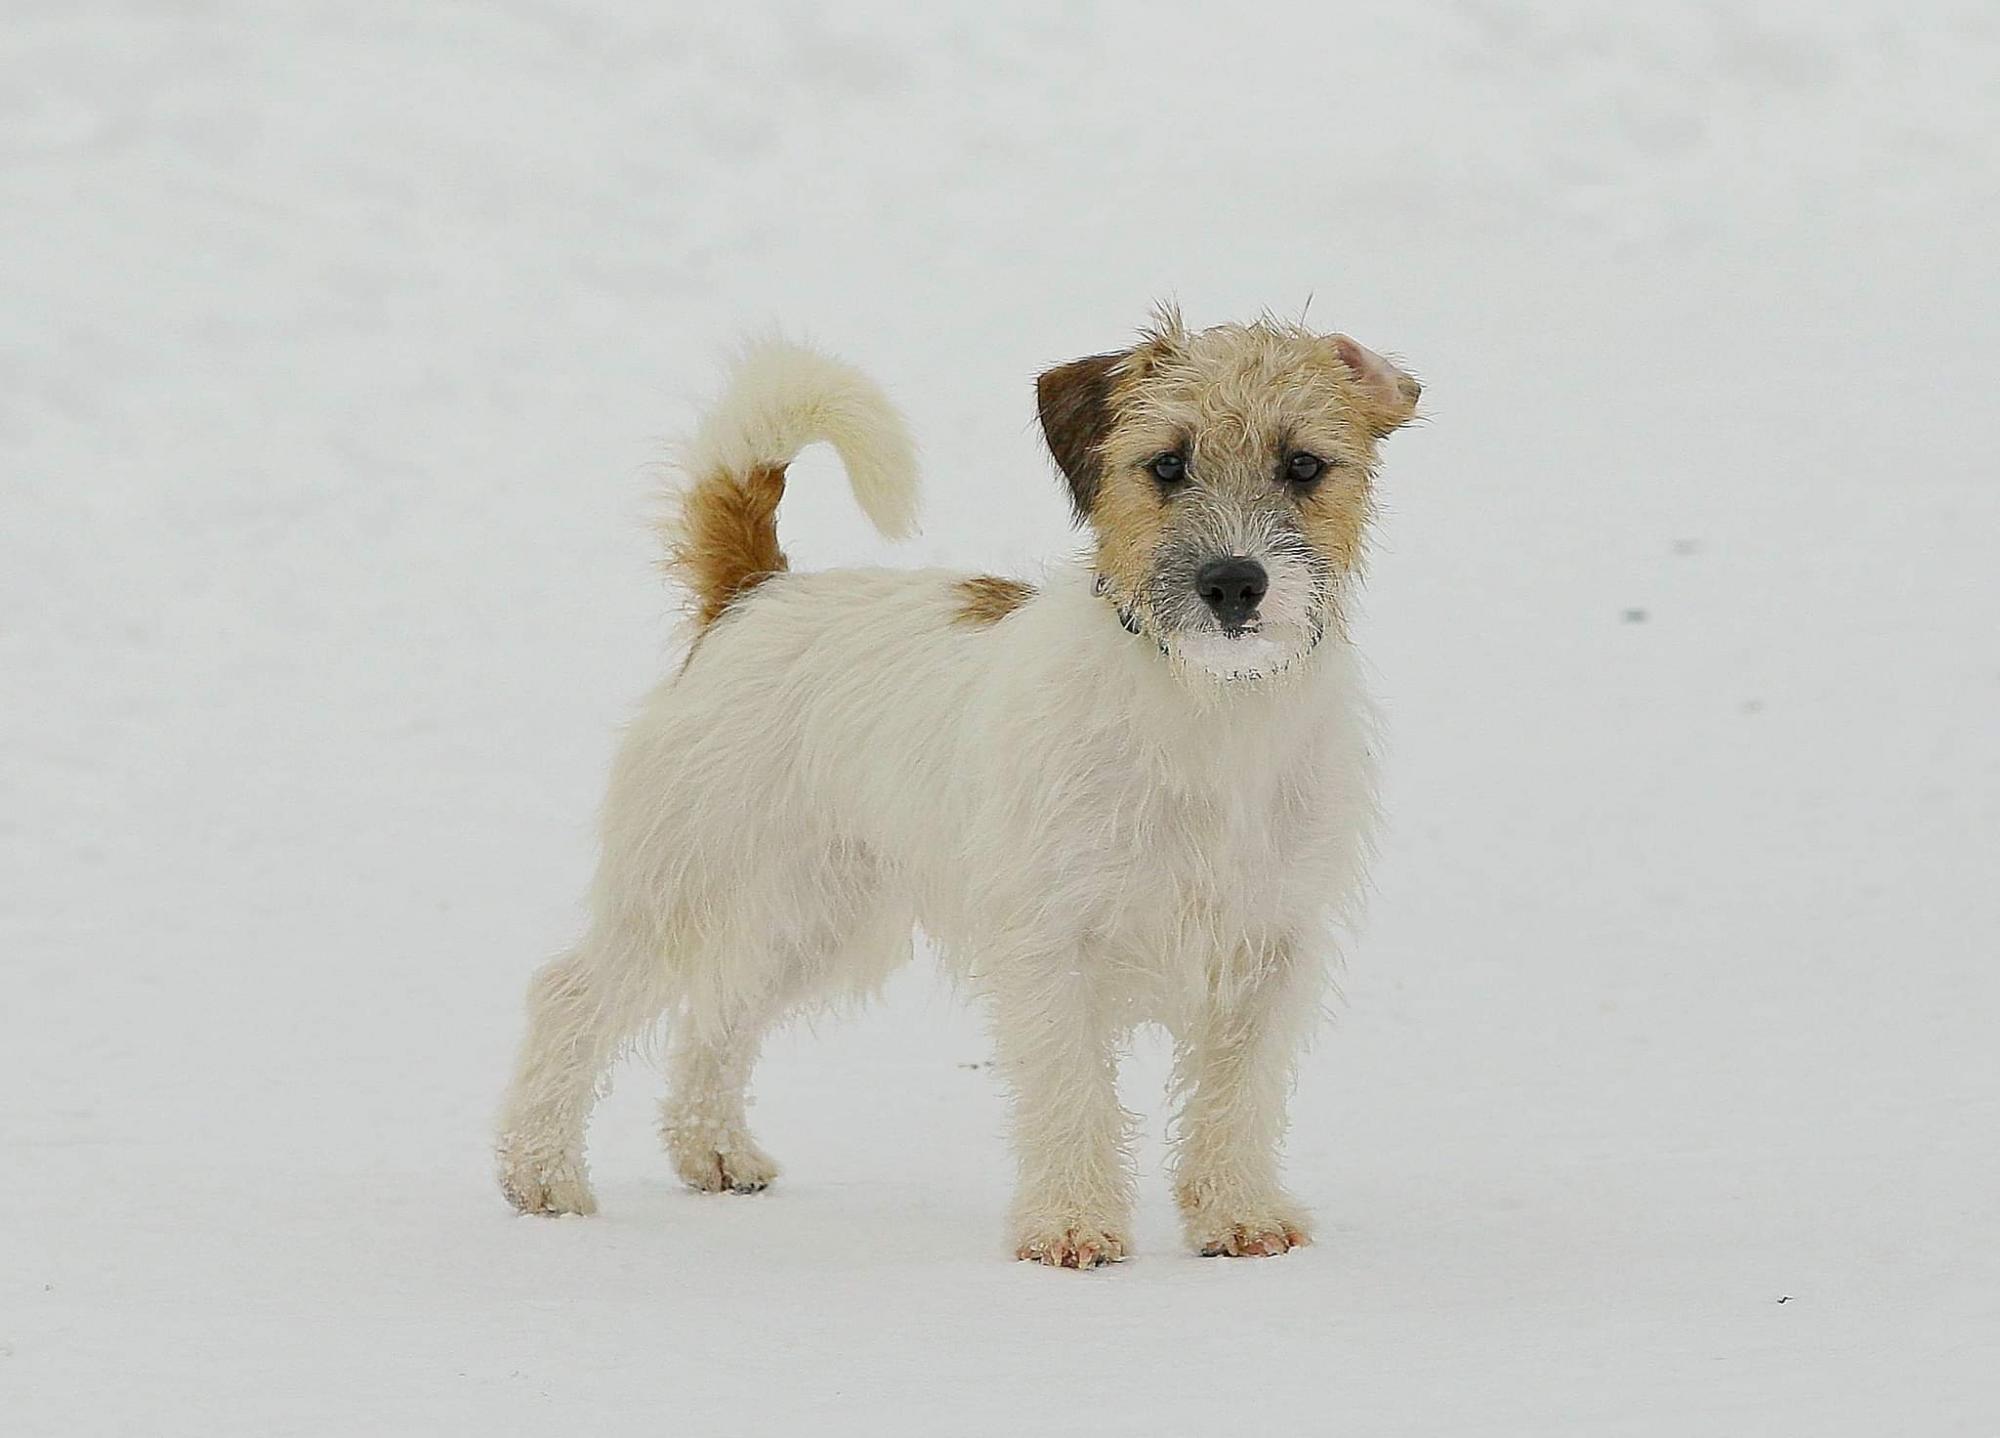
(1074, 402)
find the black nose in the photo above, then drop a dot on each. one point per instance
(1233, 588)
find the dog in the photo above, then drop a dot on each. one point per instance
(1140, 791)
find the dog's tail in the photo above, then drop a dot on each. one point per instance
(722, 531)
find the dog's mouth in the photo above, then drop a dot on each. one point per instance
(1257, 648)
(1261, 647)
(1243, 651)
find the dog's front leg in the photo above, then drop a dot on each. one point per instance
(1234, 1068)
(1057, 1042)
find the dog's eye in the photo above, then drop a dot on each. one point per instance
(1169, 468)
(1304, 468)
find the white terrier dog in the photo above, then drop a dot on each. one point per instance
(1140, 793)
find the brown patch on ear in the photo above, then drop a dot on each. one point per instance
(726, 541)
(986, 599)
(1388, 395)
(1073, 402)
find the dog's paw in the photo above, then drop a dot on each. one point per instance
(1083, 1245)
(1242, 1226)
(1252, 1240)
(743, 1168)
(539, 1184)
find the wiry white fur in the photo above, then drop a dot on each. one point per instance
(1092, 836)
(783, 396)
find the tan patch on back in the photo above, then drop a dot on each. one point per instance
(726, 542)
(986, 599)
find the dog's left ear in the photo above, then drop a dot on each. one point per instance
(1074, 403)
(1388, 396)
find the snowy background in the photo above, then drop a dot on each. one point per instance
(336, 343)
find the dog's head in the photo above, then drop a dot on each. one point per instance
(1226, 474)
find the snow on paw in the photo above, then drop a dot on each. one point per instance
(1234, 1220)
(1253, 1240)
(539, 1184)
(1079, 1246)
(743, 1169)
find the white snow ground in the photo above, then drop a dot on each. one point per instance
(336, 340)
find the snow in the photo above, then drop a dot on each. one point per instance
(337, 345)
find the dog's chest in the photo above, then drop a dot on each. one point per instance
(1229, 860)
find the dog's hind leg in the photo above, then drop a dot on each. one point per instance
(862, 937)
(702, 1120)
(583, 1009)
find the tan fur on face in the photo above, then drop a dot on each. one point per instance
(1236, 401)
(986, 599)
(725, 542)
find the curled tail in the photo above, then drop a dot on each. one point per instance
(722, 536)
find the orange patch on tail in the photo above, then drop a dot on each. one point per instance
(726, 542)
